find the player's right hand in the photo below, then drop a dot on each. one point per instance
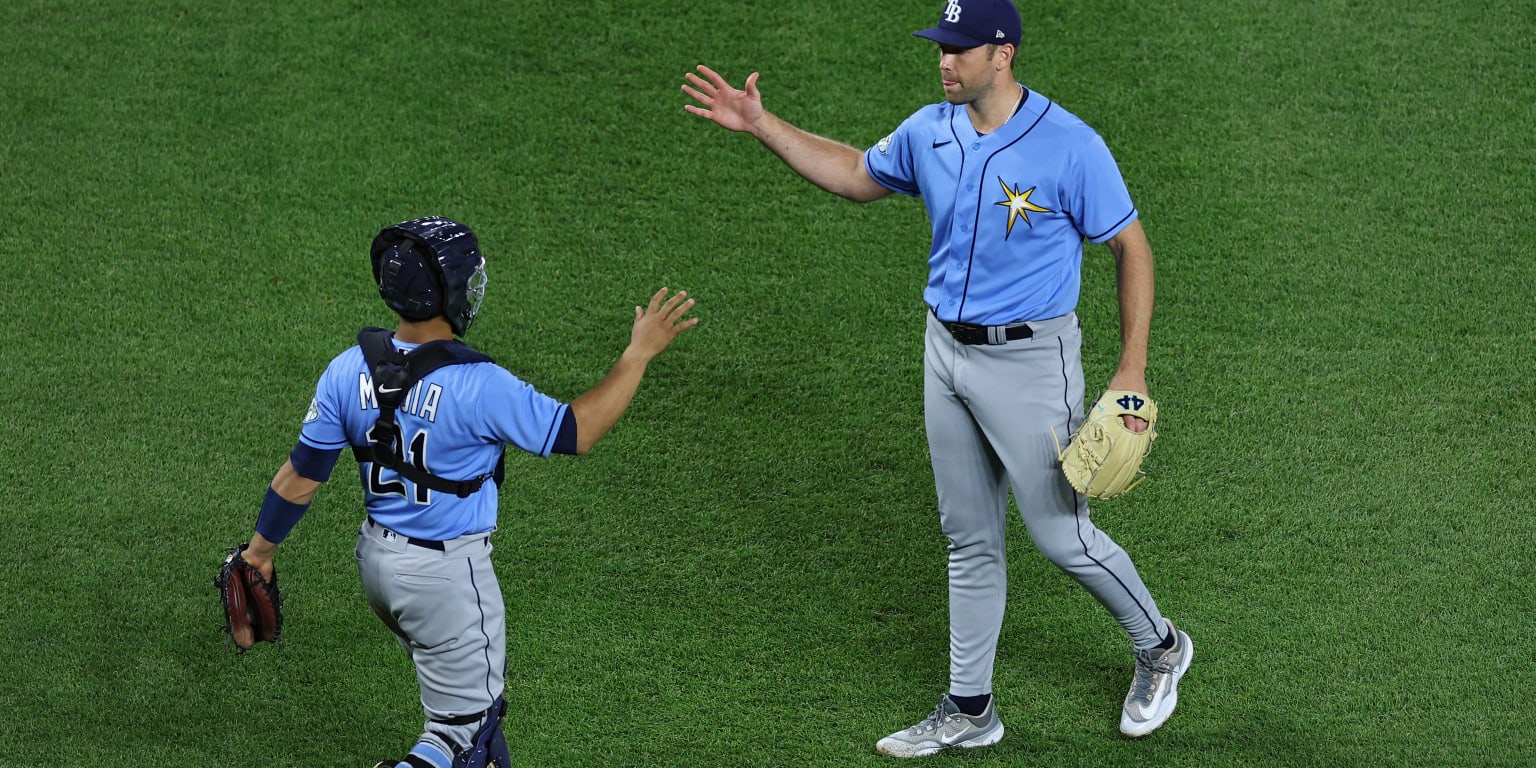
(657, 324)
(727, 106)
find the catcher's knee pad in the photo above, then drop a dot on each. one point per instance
(488, 746)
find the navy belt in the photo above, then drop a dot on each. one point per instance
(967, 333)
(423, 543)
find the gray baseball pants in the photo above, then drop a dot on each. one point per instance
(989, 410)
(446, 609)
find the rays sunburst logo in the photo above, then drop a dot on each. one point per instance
(1019, 205)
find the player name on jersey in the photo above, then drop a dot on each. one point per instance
(419, 402)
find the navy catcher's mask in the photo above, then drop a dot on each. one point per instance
(428, 267)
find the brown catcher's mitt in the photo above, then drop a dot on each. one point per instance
(253, 606)
(1103, 459)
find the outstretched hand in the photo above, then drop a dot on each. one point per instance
(735, 109)
(657, 324)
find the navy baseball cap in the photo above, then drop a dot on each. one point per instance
(969, 23)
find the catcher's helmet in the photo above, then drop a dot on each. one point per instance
(428, 267)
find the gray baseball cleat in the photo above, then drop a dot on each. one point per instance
(1155, 688)
(947, 727)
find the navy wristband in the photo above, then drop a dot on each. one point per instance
(278, 516)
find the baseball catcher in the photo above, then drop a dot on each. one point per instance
(429, 420)
(253, 605)
(1103, 459)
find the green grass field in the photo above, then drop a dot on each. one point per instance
(749, 571)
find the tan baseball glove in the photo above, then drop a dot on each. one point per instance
(1103, 459)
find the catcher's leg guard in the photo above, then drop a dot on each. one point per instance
(489, 747)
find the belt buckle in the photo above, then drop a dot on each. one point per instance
(961, 332)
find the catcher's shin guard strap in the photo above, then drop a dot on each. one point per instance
(462, 719)
(489, 745)
(278, 516)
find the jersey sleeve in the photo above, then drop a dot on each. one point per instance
(890, 161)
(323, 428)
(519, 415)
(1095, 193)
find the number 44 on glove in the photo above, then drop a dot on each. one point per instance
(1103, 459)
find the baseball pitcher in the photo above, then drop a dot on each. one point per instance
(1013, 185)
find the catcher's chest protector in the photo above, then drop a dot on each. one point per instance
(394, 373)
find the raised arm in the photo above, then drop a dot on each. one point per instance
(655, 327)
(832, 165)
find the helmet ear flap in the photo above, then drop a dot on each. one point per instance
(409, 281)
(387, 271)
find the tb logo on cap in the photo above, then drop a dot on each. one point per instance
(952, 12)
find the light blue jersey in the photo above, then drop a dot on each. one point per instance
(1009, 209)
(454, 422)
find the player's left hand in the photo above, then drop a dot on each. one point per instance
(657, 324)
(1103, 458)
(1131, 382)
